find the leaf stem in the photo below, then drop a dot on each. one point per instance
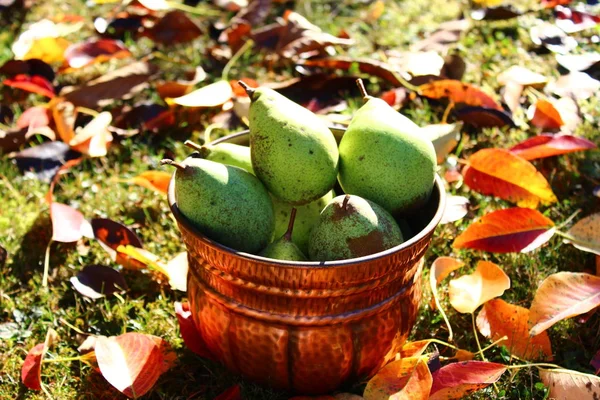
(439, 307)
(502, 339)
(535, 365)
(566, 221)
(443, 343)
(247, 46)
(575, 240)
(46, 265)
(480, 352)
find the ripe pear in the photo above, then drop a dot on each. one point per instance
(284, 248)
(350, 227)
(225, 153)
(293, 151)
(306, 218)
(384, 159)
(226, 203)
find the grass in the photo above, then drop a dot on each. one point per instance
(25, 227)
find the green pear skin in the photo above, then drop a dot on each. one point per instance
(225, 153)
(306, 217)
(351, 227)
(384, 159)
(293, 151)
(284, 248)
(226, 203)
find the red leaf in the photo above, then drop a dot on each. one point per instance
(233, 393)
(111, 234)
(68, 224)
(546, 145)
(31, 372)
(456, 380)
(132, 362)
(506, 231)
(34, 84)
(501, 173)
(458, 92)
(94, 51)
(572, 21)
(34, 117)
(544, 115)
(189, 332)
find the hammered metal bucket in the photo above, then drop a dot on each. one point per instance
(306, 327)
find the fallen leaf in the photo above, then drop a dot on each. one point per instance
(181, 87)
(371, 67)
(498, 318)
(153, 180)
(444, 137)
(522, 76)
(3, 256)
(561, 296)
(48, 49)
(483, 117)
(28, 67)
(567, 384)
(97, 281)
(34, 84)
(233, 393)
(418, 63)
(458, 92)
(375, 11)
(45, 159)
(544, 115)
(132, 362)
(122, 83)
(553, 38)
(94, 51)
(34, 117)
(418, 385)
(68, 224)
(500, 173)
(414, 349)
(456, 208)
(507, 231)
(31, 371)
(254, 13)
(145, 116)
(577, 62)
(189, 333)
(446, 34)
(390, 379)
(212, 95)
(177, 271)
(468, 292)
(569, 112)
(497, 13)
(231, 5)
(173, 28)
(596, 362)
(94, 138)
(396, 98)
(572, 21)
(511, 95)
(155, 5)
(456, 380)
(585, 234)
(579, 85)
(463, 355)
(110, 235)
(548, 145)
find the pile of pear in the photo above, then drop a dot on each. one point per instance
(276, 197)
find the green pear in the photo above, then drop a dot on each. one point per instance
(284, 248)
(226, 203)
(384, 159)
(350, 227)
(293, 151)
(225, 153)
(306, 217)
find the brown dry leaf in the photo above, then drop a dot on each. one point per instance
(565, 384)
(498, 318)
(173, 28)
(468, 292)
(585, 234)
(446, 34)
(371, 67)
(180, 87)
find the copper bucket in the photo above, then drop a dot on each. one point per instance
(306, 327)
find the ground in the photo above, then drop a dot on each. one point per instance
(25, 226)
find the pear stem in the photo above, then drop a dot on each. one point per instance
(167, 161)
(290, 229)
(247, 88)
(345, 202)
(193, 145)
(363, 90)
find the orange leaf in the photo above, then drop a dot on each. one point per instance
(506, 231)
(414, 349)
(566, 384)
(440, 269)
(456, 380)
(563, 295)
(499, 318)
(233, 393)
(61, 171)
(34, 84)
(153, 180)
(546, 145)
(463, 355)
(470, 291)
(68, 224)
(544, 115)
(31, 371)
(132, 362)
(94, 51)
(390, 379)
(94, 138)
(500, 173)
(418, 385)
(64, 114)
(458, 92)
(239, 91)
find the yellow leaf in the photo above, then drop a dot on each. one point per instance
(212, 95)
(48, 49)
(470, 291)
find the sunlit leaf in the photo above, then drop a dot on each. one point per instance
(94, 138)
(468, 292)
(189, 333)
(500, 173)
(444, 137)
(174, 27)
(456, 380)
(571, 21)
(63, 114)
(507, 231)
(94, 51)
(68, 224)
(547, 145)
(414, 349)
(456, 208)
(457, 92)
(561, 296)
(34, 84)
(567, 384)
(579, 85)
(585, 234)
(48, 49)
(498, 318)
(522, 76)
(544, 115)
(153, 180)
(97, 281)
(446, 34)
(45, 159)
(31, 371)
(212, 95)
(34, 117)
(181, 87)
(390, 379)
(371, 67)
(463, 355)
(177, 271)
(132, 362)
